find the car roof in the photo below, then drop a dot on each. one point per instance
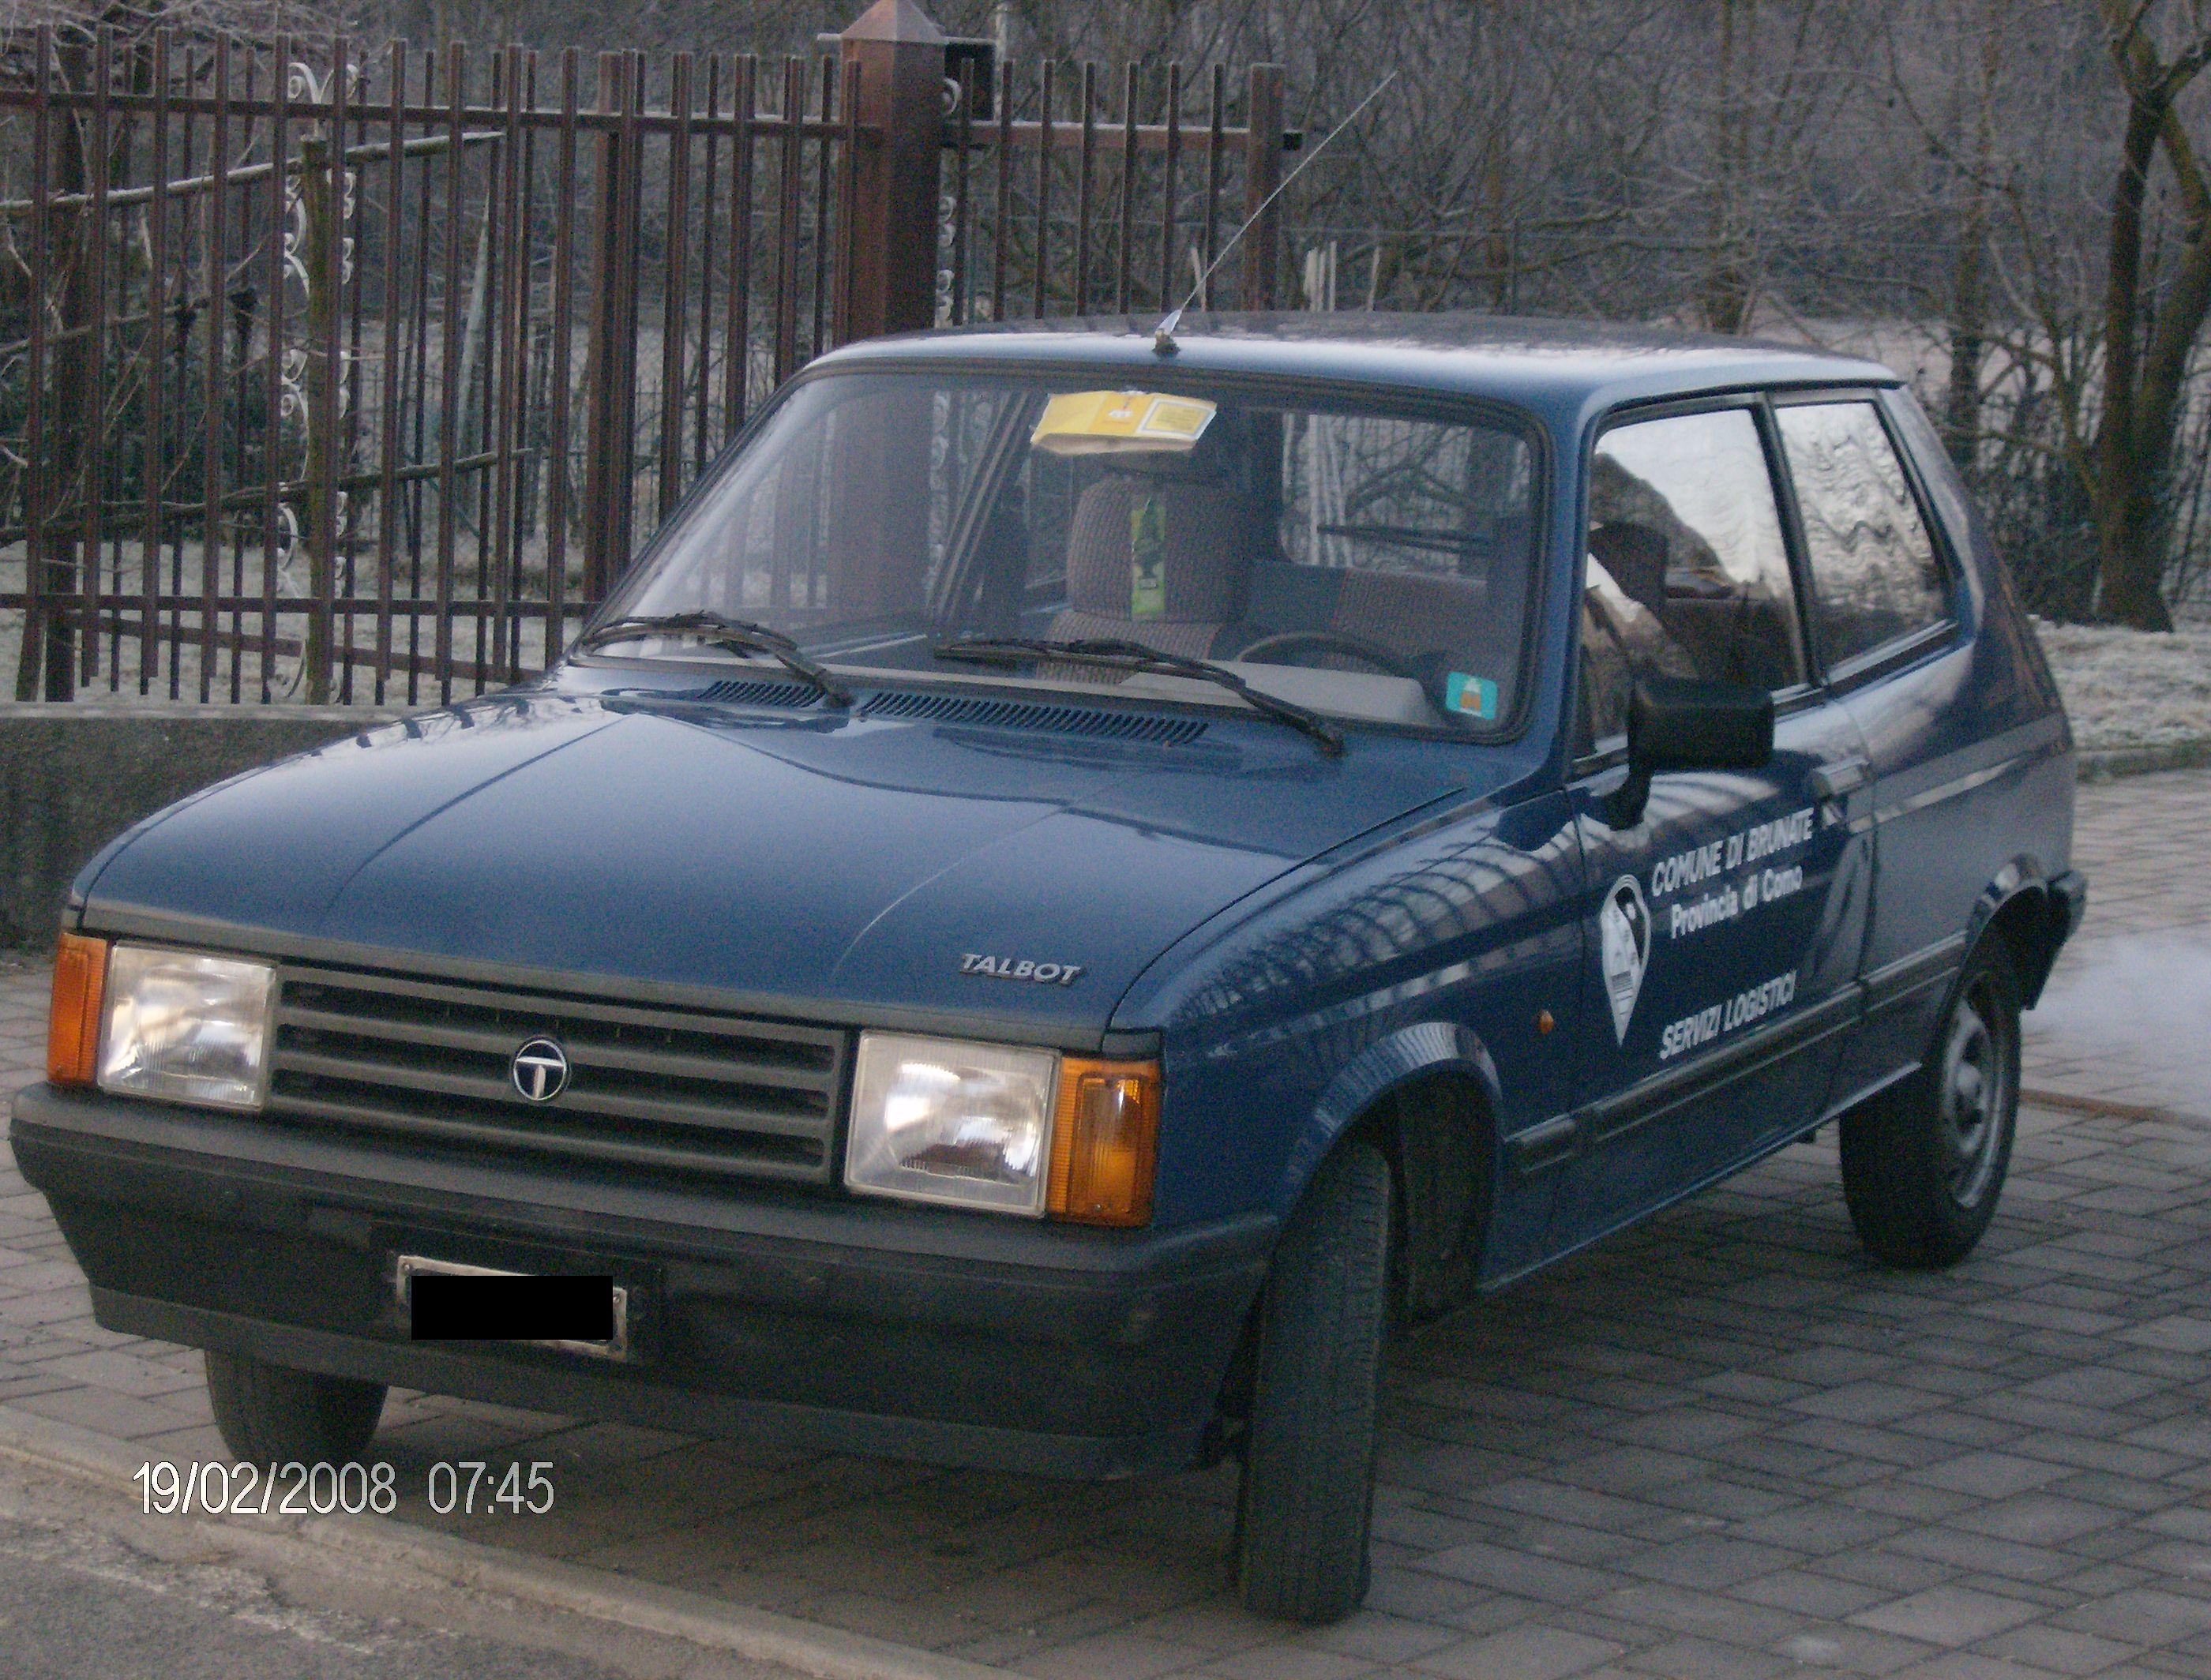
(1550, 365)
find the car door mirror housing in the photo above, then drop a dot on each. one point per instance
(1688, 723)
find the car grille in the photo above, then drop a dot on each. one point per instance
(663, 1089)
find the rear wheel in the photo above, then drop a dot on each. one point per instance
(1308, 1497)
(272, 1414)
(1923, 1164)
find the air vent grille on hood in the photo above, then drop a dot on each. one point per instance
(1024, 715)
(760, 692)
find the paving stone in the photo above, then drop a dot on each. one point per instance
(1946, 1614)
(1531, 1652)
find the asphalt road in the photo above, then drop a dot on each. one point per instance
(92, 1590)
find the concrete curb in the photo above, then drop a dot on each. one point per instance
(317, 1544)
(2104, 1106)
(2109, 762)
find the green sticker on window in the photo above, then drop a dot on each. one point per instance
(1147, 559)
(1474, 696)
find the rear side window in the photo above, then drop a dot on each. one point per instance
(1687, 572)
(1876, 578)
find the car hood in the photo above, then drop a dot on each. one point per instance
(836, 866)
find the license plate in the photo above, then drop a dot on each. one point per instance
(447, 1300)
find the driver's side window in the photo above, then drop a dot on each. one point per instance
(1687, 572)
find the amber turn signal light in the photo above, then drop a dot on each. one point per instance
(1104, 1141)
(73, 1029)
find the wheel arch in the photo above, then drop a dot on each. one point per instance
(2019, 907)
(1428, 1095)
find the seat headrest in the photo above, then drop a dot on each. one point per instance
(1635, 555)
(1160, 550)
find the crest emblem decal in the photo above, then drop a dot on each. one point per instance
(1624, 935)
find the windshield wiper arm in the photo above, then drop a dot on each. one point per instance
(1113, 654)
(738, 635)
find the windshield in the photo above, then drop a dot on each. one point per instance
(1367, 564)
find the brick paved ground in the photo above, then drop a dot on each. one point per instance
(1724, 1446)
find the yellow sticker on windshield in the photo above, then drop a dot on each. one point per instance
(1110, 422)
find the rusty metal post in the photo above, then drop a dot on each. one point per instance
(1263, 172)
(899, 54)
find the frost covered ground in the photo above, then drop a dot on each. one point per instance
(2126, 689)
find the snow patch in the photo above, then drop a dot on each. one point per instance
(2129, 688)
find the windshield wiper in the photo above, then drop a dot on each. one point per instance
(1113, 655)
(738, 635)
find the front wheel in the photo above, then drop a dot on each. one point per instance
(1308, 1497)
(272, 1414)
(1923, 1163)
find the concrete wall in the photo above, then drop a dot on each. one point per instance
(74, 775)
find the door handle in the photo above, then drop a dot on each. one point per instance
(1838, 780)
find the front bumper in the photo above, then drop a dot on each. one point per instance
(864, 1327)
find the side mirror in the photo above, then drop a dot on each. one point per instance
(1687, 723)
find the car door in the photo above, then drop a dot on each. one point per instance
(1952, 744)
(1723, 929)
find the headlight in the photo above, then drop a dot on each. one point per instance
(186, 1026)
(936, 1119)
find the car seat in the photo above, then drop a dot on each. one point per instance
(1159, 561)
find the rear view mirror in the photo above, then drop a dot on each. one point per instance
(1687, 723)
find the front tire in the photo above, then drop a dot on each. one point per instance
(1307, 1498)
(272, 1414)
(1924, 1164)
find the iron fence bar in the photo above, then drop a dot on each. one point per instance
(91, 277)
(1125, 258)
(1044, 194)
(1170, 186)
(632, 176)
(564, 236)
(710, 174)
(240, 323)
(154, 343)
(478, 357)
(848, 197)
(821, 336)
(957, 303)
(355, 271)
(31, 674)
(1084, 173)
(737, 374)
(1215, 130)
(787, 212)
(1114, 139)
(218, 220)
(677, 259)
(323, 191)
(513, 314)
(491, 116)
(390, 384)
(273, 356)
(1001, 224)
(366, 152)
(449, 384)
(425, 196)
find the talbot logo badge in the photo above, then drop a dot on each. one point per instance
(1023, 968)
(1624, 935)
(540, 1071)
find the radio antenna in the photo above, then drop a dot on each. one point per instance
(1163, 339)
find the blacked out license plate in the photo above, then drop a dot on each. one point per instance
(444, 1301)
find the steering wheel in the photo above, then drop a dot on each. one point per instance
(1328, 641)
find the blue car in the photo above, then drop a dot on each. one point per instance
(1084, 878)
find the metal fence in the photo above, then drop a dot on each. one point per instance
(340, 377)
